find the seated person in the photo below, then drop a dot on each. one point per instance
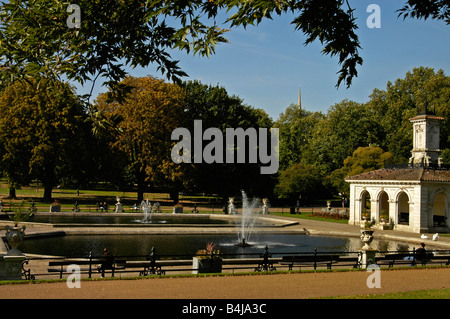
(107, 262)
(421, 253)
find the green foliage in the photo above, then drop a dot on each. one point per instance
(364, 159)
(36, 40)
(40, 124)
(446, 156)
(421, 89)
(347, 126)
(216, 108)
(300, 180)
(351, 137)
(20, 215)
(296, 134)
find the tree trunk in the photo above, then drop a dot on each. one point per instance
(48, 192)
(12, 193)
(140, 179)
(174, 195)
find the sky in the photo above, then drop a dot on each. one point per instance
(265, 65)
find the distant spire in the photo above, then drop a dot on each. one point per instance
(300, 98)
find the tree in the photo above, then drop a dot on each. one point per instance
(346, 126)
(217, 109)
(36, 38)
(39, 132)
(300, 180)
(363, 159)
(422, 90)
(296, 132)
(149, 114)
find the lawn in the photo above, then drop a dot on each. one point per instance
(87, 200)
(417, 294)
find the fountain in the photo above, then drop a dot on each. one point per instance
(146, 208)
(248, 219)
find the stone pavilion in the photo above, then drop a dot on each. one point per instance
(414, 197)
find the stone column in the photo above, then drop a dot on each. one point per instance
(367, 257)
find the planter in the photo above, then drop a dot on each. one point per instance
(178, 210)
(14, 236)
(206, 265)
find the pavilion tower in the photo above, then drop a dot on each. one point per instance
(426, 131)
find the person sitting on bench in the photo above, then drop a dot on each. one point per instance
(107, 262)
(421, 253)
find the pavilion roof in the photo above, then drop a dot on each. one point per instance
(404, 174)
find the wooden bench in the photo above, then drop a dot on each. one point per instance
(355, 262)
(412, 259)
(62, 264)
(309, 260)
(396, 259)
(433, 259)
(154, 268)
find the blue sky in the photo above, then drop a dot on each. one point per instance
(265, 65)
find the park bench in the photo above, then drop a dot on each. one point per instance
(396, 259)
(408, 258)
(150, 267)
(90, 262)
(315, 261)
(249, 263)
(355, 261)
(438, 259)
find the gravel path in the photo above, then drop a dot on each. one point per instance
(276, 286)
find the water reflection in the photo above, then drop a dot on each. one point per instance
(187, 245)
(131, 219)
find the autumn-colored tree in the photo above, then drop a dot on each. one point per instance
(149, 114)
(40, 123)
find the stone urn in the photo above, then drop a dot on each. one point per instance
(367, 238)
(14, 236)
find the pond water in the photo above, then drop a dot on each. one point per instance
(185, 246)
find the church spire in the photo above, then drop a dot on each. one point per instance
(300, 98)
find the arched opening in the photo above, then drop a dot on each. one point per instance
(439, 213)
(365, 206)
(403, 209)
(383, 206)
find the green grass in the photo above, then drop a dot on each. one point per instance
(416, 294)
(88, 198)
(307, 215)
